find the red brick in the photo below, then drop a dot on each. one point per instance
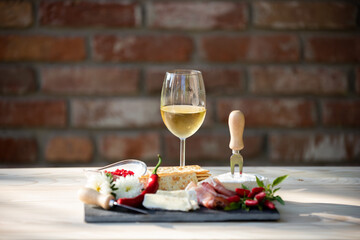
(269, 112)
(160, 48)
(89, 14)
(69, 149)
(332, 49)
(18, 150)
(15, 14)
(41, 48)
(310, 147)
(32, 113)
(341, 113)
(120, 113)
(197, 15)
(357, 81)
(141, 146)
(298, 80)
(216, 80)
(304, 15)
(154, 78)
(211, 148)
(257, 48)
(17, 80)
(90, 80)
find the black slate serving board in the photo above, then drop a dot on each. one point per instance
(95, 214)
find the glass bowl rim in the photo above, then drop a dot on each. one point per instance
(122, 162)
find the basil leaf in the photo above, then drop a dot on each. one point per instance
(233, 206)
(259, 182)
(278, 180)
(275, 190)
(279, 199)
(244, 187)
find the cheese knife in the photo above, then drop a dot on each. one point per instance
(236, 127)
(90, 196)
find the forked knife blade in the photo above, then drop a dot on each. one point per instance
(117, 205)
(236, 127)
(236, 159)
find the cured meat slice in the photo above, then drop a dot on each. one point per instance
(211, 189)
(219, 187)
(207, 196)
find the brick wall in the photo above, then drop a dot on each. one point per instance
(80, 80)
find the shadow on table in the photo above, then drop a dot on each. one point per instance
(315, 212)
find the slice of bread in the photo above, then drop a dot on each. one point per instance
(199, 171)
(173, 181)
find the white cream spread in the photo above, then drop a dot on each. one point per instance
(233, 182)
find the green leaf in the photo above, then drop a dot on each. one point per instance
(259, 182)
(243, 205)
(275, 190)
(244, 187)
(233, 206)
(280, 200)
(278, 180)
(271, 199)
(110, 176)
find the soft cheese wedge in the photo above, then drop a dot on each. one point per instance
(233, 182)
(180, 200)
(189, 194)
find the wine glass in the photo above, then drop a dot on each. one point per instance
(182, 105)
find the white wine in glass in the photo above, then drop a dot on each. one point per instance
(183, 104)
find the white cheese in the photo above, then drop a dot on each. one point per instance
(189, 194)
(171, 200)
(175, 193)
(249, 180)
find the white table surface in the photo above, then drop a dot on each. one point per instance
(321, 203)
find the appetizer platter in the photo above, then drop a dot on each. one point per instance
(165, 199)
(129, 191)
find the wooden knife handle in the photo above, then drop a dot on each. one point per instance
(90, 196)
(236, 127)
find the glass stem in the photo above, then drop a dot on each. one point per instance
(182, 152)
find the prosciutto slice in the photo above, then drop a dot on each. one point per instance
(220, 188)
(210, 188)
(207, 196)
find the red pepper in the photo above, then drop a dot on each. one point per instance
(255, 191)
(153, 183)
(269, 204)
(234, 198)
(260, 196)
(242, 192)
(151, 187)
(132, 202)
(251, 203)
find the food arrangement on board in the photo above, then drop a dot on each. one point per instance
(130, 186)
